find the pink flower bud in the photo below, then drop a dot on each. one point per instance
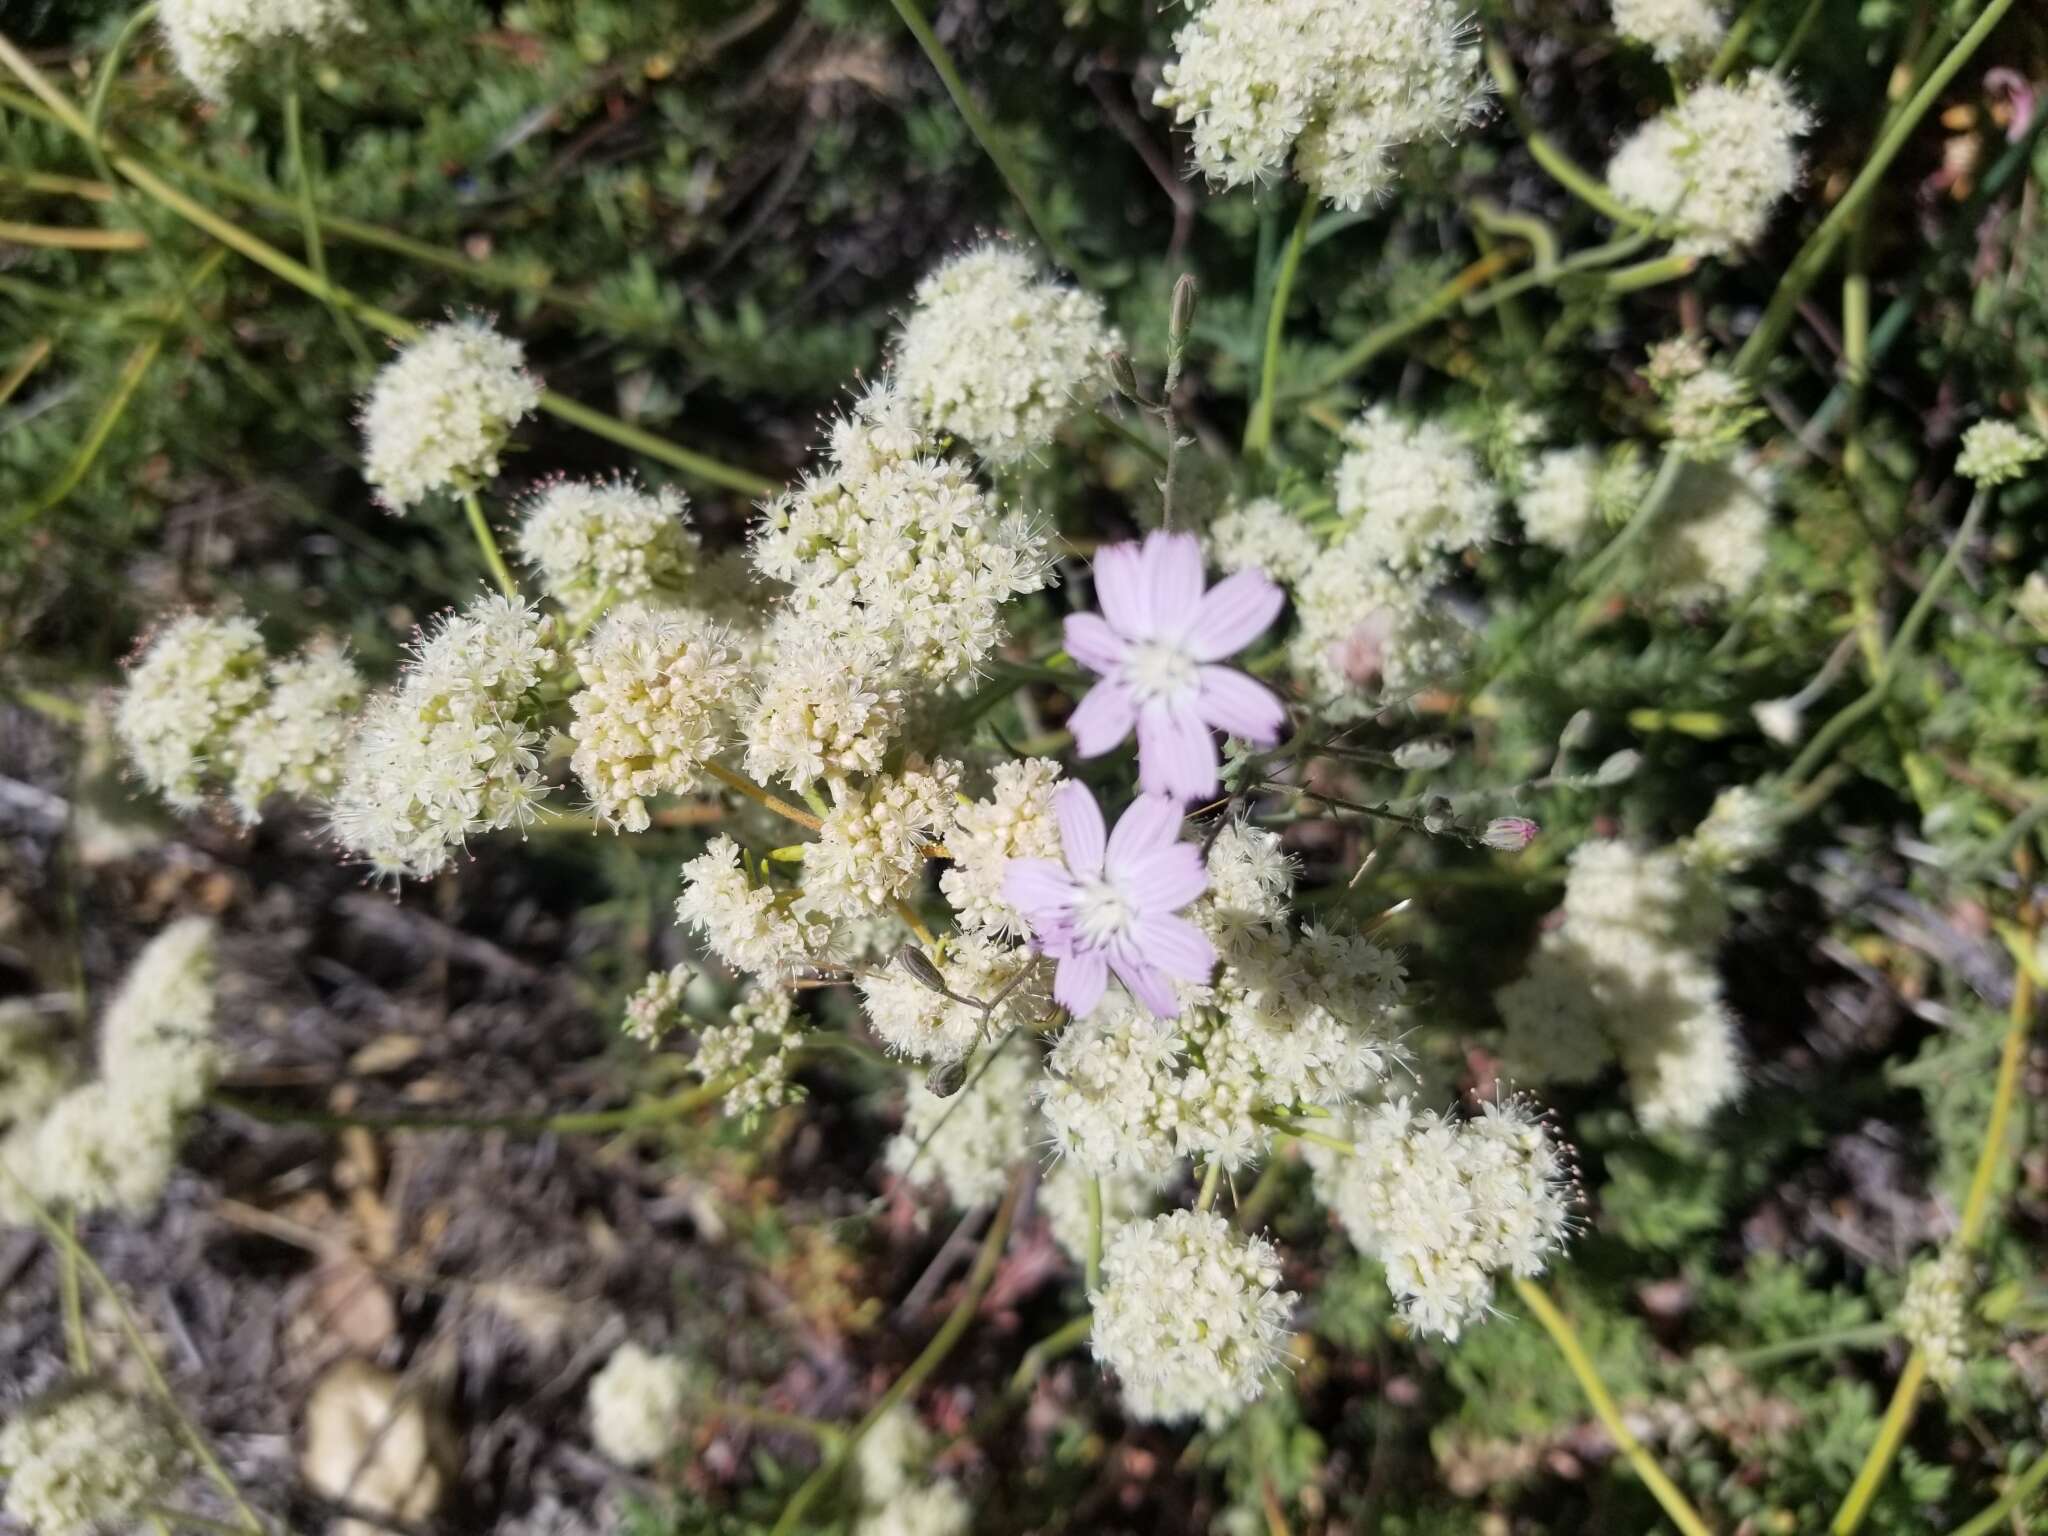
(1510, 834)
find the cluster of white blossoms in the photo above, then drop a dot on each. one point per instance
(1630, 971)
(451, 751)
(1712, 541)
(655, 706)
(636, 1405)
(1445, 1204)
(211, 41)
(896, 1498)
(1570, 494)
(756, 1048)
(1414, 491)
(968, 1142)
(750, 924)
(109, 1143)
(893, 549)
(1014, 822)
(1741, 827)
(1674, 30)
(1262, 535)
(1342, 86)
(1190, 1316)
(1716, 164)
(999, 355)
(1291, 1020)
(1932, 1314)
(1995, 452)
(871, 849)
(441, 412)
(601, 542)
(87, 1459)
(291, 743)
(913, 1020)
(1707, 407)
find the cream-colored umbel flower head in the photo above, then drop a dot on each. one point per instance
(1674, 30)
(1342, 86)
(211, 41)
(86, 1460)
(1572, 493)
(653, 708)
(636, 1405)
(157, 1045)
(597, 541)
(1713, 541)
(1414, 491)
(182, 701)
(1716, 164)
(441, 411)
(1995, 452)
(292, 744)
(1933, 1314)
(1263, 535)
(999, 355)
(1190, 1316)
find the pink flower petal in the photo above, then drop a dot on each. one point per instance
(1091, 642)
(1104, 718)
(1176, 946)
(1148, 822)
(1234, 613)
(1240, 706)
(1038, 888)
(1121, 591)
(1148, 984)
(1078, 983)
(1165, 879)
(1176, 755)
(1081, 832)
(1173, 570)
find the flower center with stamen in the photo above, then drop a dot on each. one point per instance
(1157, 670)
(1101, 912)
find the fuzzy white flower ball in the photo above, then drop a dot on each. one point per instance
(751, 927)
(1015, 822)
(913, 1020)
(1413, 491)
(86, 1460)
(871, 849)
(636, 1405)
(1190, 1316)
(292, 744)
(1995, 452)
(441, 411)
(157, 1045)
(182, 701)
(1263, 535)
(607, 541)
(1933, 1313)
(999, 355)
(211, 41)
(1713, 541)
(1716, 164)
(1674, 30)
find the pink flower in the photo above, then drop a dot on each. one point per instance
(1111, 906)
(1156, 644)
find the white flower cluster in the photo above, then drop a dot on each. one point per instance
(893, 549)
(1341, 85)
(757, 1045)
(1713, 540)
(212, 40)
(1291, 1020)
(871, 850)
(1630, 970)
(1014, 822)
(440, 413)
(1674, 30)
(1716, 164)
(653, 708)
(997, 354)
(656, 1006)
(913, 1020)
(1190, 1316)
(969, 1141)
(1063, 1198)
(1414, 491)
(292, 742)
(86, 1460)
(598, 542)
(182, 700)
(450, 751)
(1932, 1314)
(1995, 452)
(109, 1144)
(824, 707)
(1445, 1204)
(752, 927)
(1570, 494)
(1707, 407)
(894, 1500)
(636, 1405)
(1741, 827)
(1263, 535)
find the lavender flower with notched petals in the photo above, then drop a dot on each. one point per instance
(1156, 644)
(1112, 905)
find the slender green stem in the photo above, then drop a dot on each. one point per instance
(1863, 1335)
(1380, 337)
(487, 543)
(1071, 1334)
(760, 796)
(166, 1515)
(930, 1359)
(1092, 1270)
(309, 225)
(1012, 169)
(2017, 1496)
(1258, 429)
(1736, 40)
(1801, 30)
(1648, 274)
(1891, 1433)
(1666, 1492)
(74, 1309)
(1562, 169)
(1593, 578)
(574, 1123)
(1303, 1132)
(1252, 1208)
(1212, 1181)
(1819, 249)
(1854, 714)
(31, 359)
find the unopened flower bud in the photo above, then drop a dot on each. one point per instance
(1123, 375)
(1424, 754)
(919, 964)
(1183, 315)
(1618, 769)
(945, 1080)
(1438, 817)
(1509, 834)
